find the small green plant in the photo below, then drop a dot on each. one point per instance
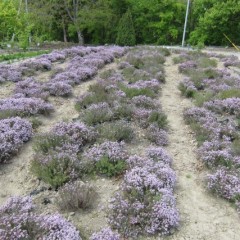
(97, 113)
(133, 92)
(205, 62)
(35, 122)
(123, 111)
(158, 118)
(96, 97)
(45, 143)
(116, 131)
(179, 59)
(9, 113)
(106, 74)
(110, 168)
(52, 173)
(229, 94)
(189, 93)
(201, 97)
(201, 134)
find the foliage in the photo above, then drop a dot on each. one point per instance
(116, 131)
(222, 17)
(159, 118)
(108, 168)
(21, 55)
(126, 32)
(107, 158)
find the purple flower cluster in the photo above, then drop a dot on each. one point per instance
(151, 84)
(10, 73)
(105, 234)
(13, 133)
(225, 183)
(77, 132)
(81, 68)
(188, 84)
(146, 204)
(143, 101)
(28, 106)
(157, 135)
(114, 151)
(183, 67)
(19, 221)
(31, 88)
(229, 105)
(37, 64)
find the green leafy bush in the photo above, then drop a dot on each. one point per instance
(159, 118)
(126, 32)
(110, 168)
(97, 113)
(116, 131)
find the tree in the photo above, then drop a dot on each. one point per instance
(158, 21)
(222, 17)
(72, 8)
(126, 32)
(8, 19)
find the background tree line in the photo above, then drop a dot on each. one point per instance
(119, 21)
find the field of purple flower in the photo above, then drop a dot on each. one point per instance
(119, 138)
(215, 119)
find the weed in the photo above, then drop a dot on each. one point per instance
(159, 118)
(116, 131)
(76, 195)
(110, 168)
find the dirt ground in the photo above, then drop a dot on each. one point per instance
(203, 216)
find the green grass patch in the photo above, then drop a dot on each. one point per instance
(229, 94)
(201, 97)
(159, 118)
(116, 131)
(21, 55)
(133, 92)
(110, 169)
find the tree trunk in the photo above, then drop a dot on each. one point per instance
(80, 37)
(64, 33)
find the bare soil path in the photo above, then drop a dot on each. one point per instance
(203, 216)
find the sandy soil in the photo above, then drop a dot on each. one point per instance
(203, 216)
(6, 89)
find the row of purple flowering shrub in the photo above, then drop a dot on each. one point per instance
(215, 120)
(57, 158)
(13, 133)
(19, 220)
(145, 204)
(58, 154)
(96, 144)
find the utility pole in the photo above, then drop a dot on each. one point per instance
(185, 24)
